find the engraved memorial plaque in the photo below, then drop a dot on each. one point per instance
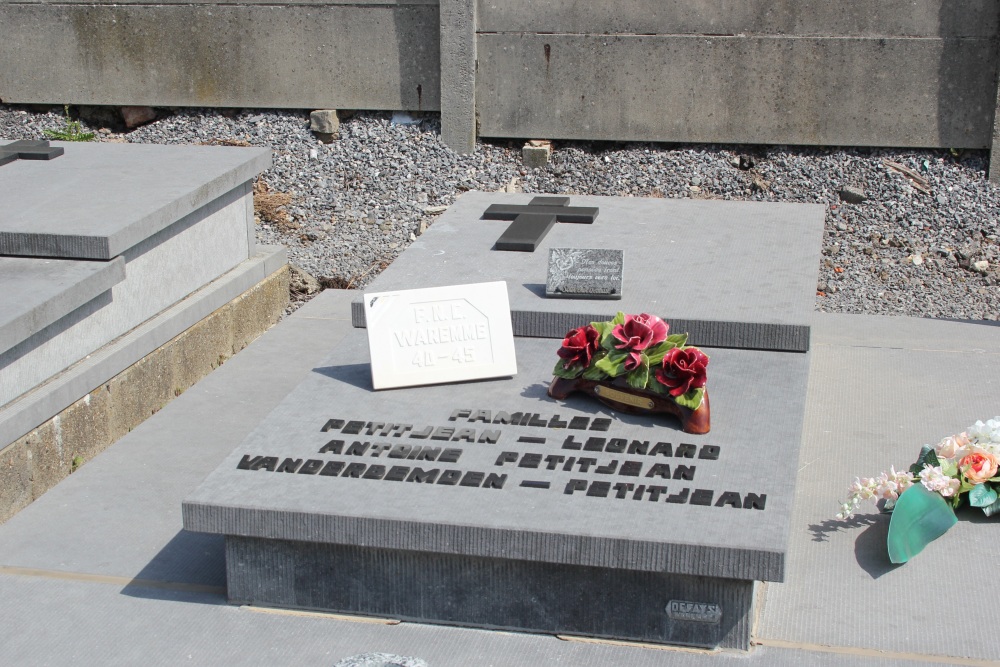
(576, 273)
(440, 334)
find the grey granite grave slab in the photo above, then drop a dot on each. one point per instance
(47, 290)
(732, 274)
(35, 407)
(160, 271)
(179, 217)
(706, 523)
(99, 199)
(881, 384)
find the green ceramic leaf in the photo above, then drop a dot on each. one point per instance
(657, 352)
(692, 399)
(594, 373)
(638, 377)
(678, 340)
(919, 518)
(655, 387)
(569, 374)
(604, 329)
(982, 495)
(619, 318)
(613, 364)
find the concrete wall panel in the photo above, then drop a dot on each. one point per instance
(854, 18)
(289, 56)
(768, 90)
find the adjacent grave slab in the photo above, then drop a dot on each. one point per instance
(490, 504)
(176, 217)
(439, 334)
(733, 274)
(47, 290)
(99, 199)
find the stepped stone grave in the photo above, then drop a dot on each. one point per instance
(489, 503)
(106, 238)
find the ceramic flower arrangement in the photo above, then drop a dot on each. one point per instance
(635, 353)
(961, 468)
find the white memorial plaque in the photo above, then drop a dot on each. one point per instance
(440, 334)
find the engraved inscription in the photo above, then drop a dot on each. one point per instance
(584, 273)
(697, 612)
(589, 461)
(452, 332)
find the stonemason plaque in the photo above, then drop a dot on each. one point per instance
(576, 273)
(440, 334)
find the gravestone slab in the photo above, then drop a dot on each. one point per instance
(733, 274)
(439, 334)
(576, 273)
(491, 504)
(474, 493)
(177, 218)
(47, 290)
(62, 208)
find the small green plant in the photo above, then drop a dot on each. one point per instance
(72, 130)
(75, 463)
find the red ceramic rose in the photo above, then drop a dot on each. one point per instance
(579, 346)
(638, 333)
(683, 370)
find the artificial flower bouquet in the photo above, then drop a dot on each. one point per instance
(635, 353)
(961, 468)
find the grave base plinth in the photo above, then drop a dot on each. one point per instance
(492, 593)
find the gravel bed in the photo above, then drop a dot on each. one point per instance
(924, 242)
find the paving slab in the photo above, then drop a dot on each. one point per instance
(133, 491)
(879, 388)
(733, 274)
(871, 407)
(99, 199)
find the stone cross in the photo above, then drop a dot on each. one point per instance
(28, 150)
(533, 222)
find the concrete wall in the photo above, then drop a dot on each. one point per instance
(891, 73)
(888, 73)
(330, 54)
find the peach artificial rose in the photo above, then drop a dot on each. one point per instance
(978, 466)
(954, 446)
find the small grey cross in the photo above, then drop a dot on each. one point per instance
(26, 149)
(533, 222)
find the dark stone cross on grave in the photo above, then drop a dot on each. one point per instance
(533, 222)
(26, 149)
